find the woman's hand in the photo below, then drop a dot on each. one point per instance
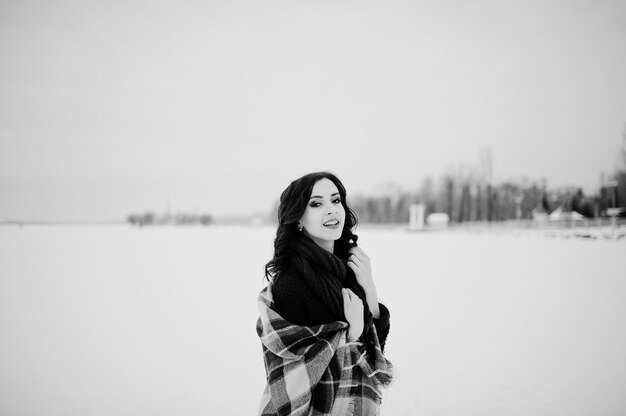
(359, 262)
(353, 310)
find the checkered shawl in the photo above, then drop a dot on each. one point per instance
(315, 370)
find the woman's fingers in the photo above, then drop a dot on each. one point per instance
(359, 259)
(354, 259)
(353, 310)
(358, 252)
(352, 297)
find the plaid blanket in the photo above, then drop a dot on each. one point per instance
(315, 370)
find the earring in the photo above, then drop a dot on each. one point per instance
(299, 227)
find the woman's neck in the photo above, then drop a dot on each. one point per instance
(325, 244)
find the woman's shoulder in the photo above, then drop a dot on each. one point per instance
(292, 298)
(287, 284)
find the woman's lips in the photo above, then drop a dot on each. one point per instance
(332, 224)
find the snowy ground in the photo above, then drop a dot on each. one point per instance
(161, 321)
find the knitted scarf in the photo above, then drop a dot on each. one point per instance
(326, 274)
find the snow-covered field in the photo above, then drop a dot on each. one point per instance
(161, 321)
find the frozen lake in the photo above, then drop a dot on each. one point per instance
(161, 321)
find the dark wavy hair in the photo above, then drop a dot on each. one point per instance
(293, 203)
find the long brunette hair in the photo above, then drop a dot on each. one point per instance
(293, 203)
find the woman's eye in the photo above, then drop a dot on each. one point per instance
(319, 204)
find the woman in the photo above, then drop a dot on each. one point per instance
(322, 328)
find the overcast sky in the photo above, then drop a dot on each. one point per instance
(108, 108)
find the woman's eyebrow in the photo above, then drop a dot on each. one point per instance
(317, 196)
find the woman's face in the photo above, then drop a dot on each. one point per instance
(324, 216)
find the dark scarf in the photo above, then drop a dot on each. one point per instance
(326, 274)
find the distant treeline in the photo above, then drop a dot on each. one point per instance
(150, 218)
(465, 201)
(470, 195)
(468, 198)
